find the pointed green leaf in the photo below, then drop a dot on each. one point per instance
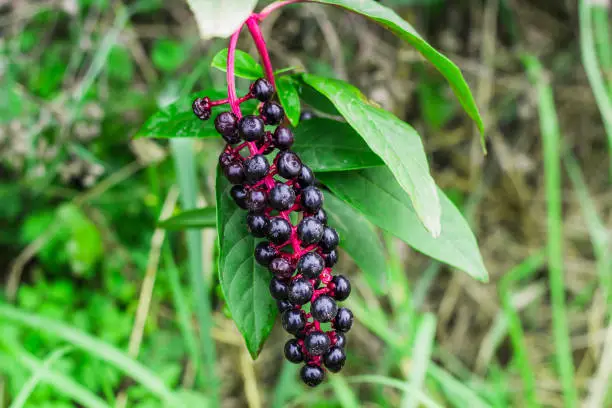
(220, 18)
(289, 98)
(376, 194)
(393, 140)
(199, 218)
(246, 66)
(245, 284)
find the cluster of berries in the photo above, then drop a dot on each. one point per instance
(300, 257)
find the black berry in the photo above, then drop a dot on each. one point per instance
(262, 89)
(201, 108)
(312, 375)
(344, 320)
(310, 230)
(225, 159)
(293, 351)
(278, 289)
(317, 343)
(311, 265)
(226, 125)
(256, 168)
(281, 197)
(321, 215)
(311, 199)
(331, 259)
(283, 306)
(288, 165)
(306, 177)
(272, 113)
(279, 230)
(265, 253)
(340, 340)
(342, 287)
(306, 115)
(239, 194)
(235, 172)
(334, 359)
(300, 291)
(329, 240)
(293, 320)
(251, 128)
(281, 267)
(256, 201)
(257, 225)
(324, 309)
(282, 138)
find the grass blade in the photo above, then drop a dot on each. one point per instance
(343, 392)
(421, 355)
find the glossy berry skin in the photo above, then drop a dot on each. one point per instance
(334, 359)
(329, 240)
(283, 306)
(306, 177)
(257, 225)
(340, 340)
(331, 259)
(288, 165)
(256, 201)
(225, 159)
(324, 309)
(265, 253)
(281, 268)
(300, 291)
(281, 197)
(293, 320)
(256, 168)
(311, 199)
(262, 89)
(251, 128)
(278, 289)
(307, 115)
(317, 343)
(310, 231)
(342, 287)
(344, 320)
(293, 351)
(282, 138)
(321, 215)
(226, 124)
(312, 375)
(279, 230)
(272, 113)
(311, 265)
(201, 108)
(235, 172)
(239, 194)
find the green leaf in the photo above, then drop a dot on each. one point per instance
(245, 283)
(168, 55)
(200, 218)
(375, 194)
(84, 242)
(359, 239)
(314, 99)
(178, 119)
(289, 98)
(393, 140)
(246, 66)
(120, 65)
(329, 145)
(220, 18)
(390, 20)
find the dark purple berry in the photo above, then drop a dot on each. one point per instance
(262, 89)
(257, 225)
(311, 199)
(281, 197)
(311, 265)
(265, 253)
(255, 168)
(235, 172)
(329, 240)
(342, 287)
(251, 128)
(283, 306)
(340, 340)
(331, 259)
(344, 320)
(293, 351)
(239, 194)
(288, 165)
(281, 268)
(279, 230)
(321, 215)
(226, 125)
(278, 289)
(310, 231)
(272, 113)
(300, 291)
(334, 359)
(256, 201)
(306, 115)
(312, 375)
(225, 159)
(282, 138)
(324, 309)
(201, 108)
(317, 343)
(306, 177)
(267, 139)
(293, 320)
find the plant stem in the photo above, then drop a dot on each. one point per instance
(273, 7)
(231, 79)
(260, 43)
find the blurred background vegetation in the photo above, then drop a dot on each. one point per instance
(97, 308)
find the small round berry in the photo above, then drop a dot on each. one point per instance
(225, 159)
(344, 320)
(257, 225)
(288, 164)
(283, 306)
(283, 138)
(272, 113)
(251, 128)
(281, 267)
(293, 320)
(262, 89)
(265, 253)
(329, 240)
(278, 289)
(311, 199)
(235, 172)
(201, 108)
(281, 197)
(321, 215)
(342, 287)
(324, 309)
(306, 177)
(256, 201)
(311, 265)
(279, 230)
(331, 259)
(307, 115)
(239, 194)
(255, 168)
(312, 375)
(293, 351)
(310, 230)
(340, 340)
(334, 359)
(300, 291)
(226, 125)
(317, 343)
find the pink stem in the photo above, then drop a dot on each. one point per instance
(260, 43)
(231, 80)
(273, 7)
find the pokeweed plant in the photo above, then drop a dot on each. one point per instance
(370, 168)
